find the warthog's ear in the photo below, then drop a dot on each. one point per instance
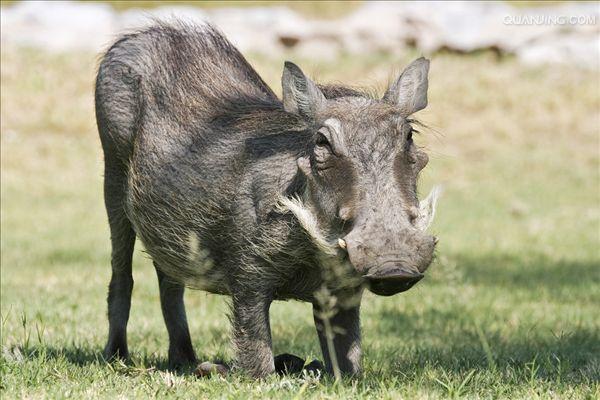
(409, 91)
(300, 94)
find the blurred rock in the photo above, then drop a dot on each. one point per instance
(58, 26)
(138, 18)
(258, 29)
(324, 49)
(571, 41)
(568, 49)
(565, 34)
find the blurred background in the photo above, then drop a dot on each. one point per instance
(514, 137)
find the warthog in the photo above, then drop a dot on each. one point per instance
(234, 191)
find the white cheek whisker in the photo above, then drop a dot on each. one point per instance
(308, 221)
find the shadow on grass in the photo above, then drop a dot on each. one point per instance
(529, 271)
(571, 358)
(79, 356)
(82, 356)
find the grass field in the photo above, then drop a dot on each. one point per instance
(506, 312)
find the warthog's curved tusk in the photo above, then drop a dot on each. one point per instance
(427, 208)
(342, 243)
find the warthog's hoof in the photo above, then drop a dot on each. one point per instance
(289, 364)
(208, 368)
(115, 351)
(181, 360)
(315, 367)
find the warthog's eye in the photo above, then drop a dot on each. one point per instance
(323, 151)
(409, 146)
(321, 141)
(409, 136)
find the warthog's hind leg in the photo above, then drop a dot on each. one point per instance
(181, 352)
(122, 240)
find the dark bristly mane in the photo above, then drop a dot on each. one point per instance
(334, 91)
(268, 117)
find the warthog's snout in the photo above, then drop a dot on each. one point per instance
(393, 273)
(393, 252)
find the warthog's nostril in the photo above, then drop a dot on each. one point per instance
(435, 240)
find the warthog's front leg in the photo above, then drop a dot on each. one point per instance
(343, 328)
(252, 333)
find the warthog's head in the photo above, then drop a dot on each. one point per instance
(362, 169)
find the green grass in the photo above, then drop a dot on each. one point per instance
(509, 309)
